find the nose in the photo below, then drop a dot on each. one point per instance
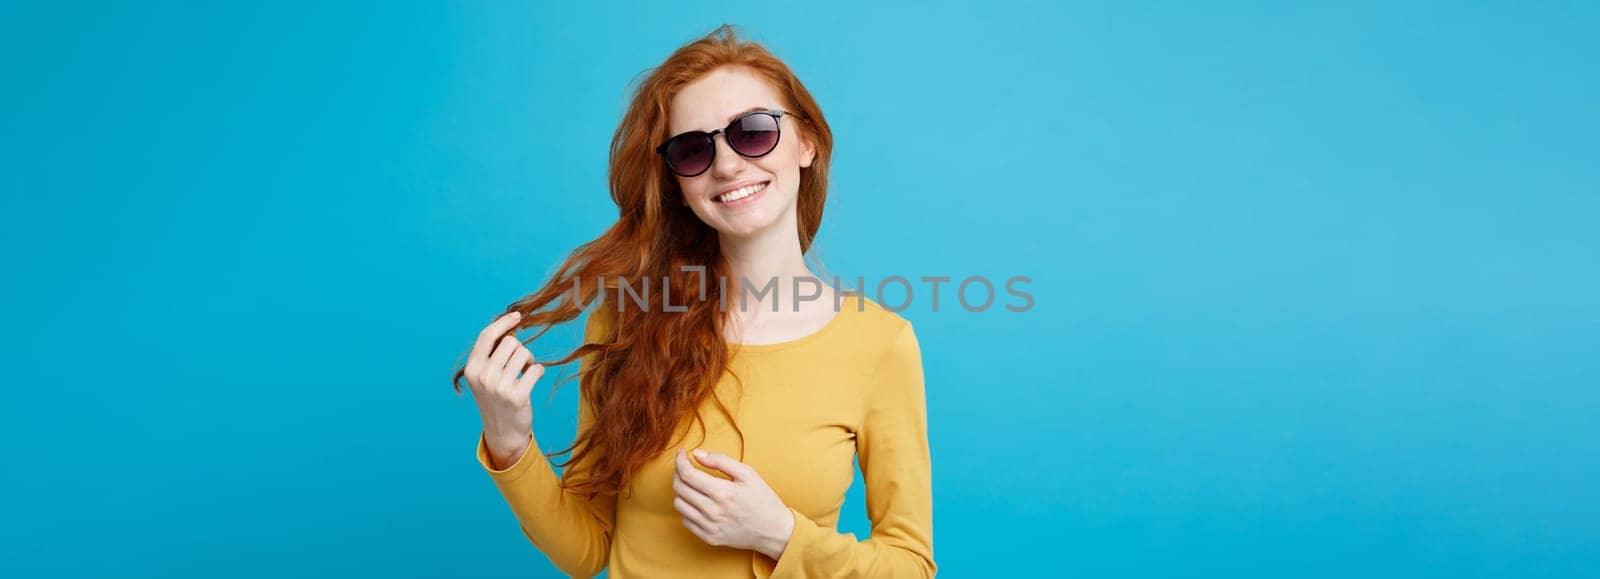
(727, 164)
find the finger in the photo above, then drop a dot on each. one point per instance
(698, 479)
(514, 366)
(738, 470)
(478, 359)
(699, 530)
(497, 362)
(699, 499)
(529, 376)
(690, 513)
(487, 337)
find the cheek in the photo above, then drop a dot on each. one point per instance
(689, 190)
(785, 161)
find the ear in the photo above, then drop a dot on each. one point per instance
(808, 152)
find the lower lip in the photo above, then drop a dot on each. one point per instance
(748, 199)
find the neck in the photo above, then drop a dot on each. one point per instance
(764, 256)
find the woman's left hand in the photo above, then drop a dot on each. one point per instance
(743, 513)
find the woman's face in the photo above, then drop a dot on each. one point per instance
(710, 103)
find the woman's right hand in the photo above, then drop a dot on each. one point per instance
(502, 396)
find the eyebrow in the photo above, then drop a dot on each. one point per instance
(740, 113)
(747, 111)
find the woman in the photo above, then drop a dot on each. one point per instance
(719, 170)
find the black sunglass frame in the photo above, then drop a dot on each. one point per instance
(711, 137)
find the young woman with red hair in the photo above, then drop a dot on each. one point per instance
(719, 171)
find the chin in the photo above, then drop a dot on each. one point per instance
(746, 225)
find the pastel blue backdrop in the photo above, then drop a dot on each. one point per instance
(1317, 288)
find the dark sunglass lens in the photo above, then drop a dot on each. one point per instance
(690, 154)
(754, 135)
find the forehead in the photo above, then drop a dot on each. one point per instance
(711, 101)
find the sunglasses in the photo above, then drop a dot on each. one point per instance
(752, 135)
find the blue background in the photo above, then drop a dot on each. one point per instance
(1316, 286)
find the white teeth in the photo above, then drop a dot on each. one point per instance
(740, 193)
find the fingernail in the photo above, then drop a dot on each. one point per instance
(699, 453)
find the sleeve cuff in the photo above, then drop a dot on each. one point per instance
(788, 564)
(510, 473)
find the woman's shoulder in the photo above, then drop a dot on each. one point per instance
(873, 322)
(884, 341)
(598, 322)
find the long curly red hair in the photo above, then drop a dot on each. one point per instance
(654, 368)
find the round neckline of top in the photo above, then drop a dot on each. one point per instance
(835, 321)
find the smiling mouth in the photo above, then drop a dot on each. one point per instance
(741, 193)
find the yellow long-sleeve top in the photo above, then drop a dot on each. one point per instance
(808, 408)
